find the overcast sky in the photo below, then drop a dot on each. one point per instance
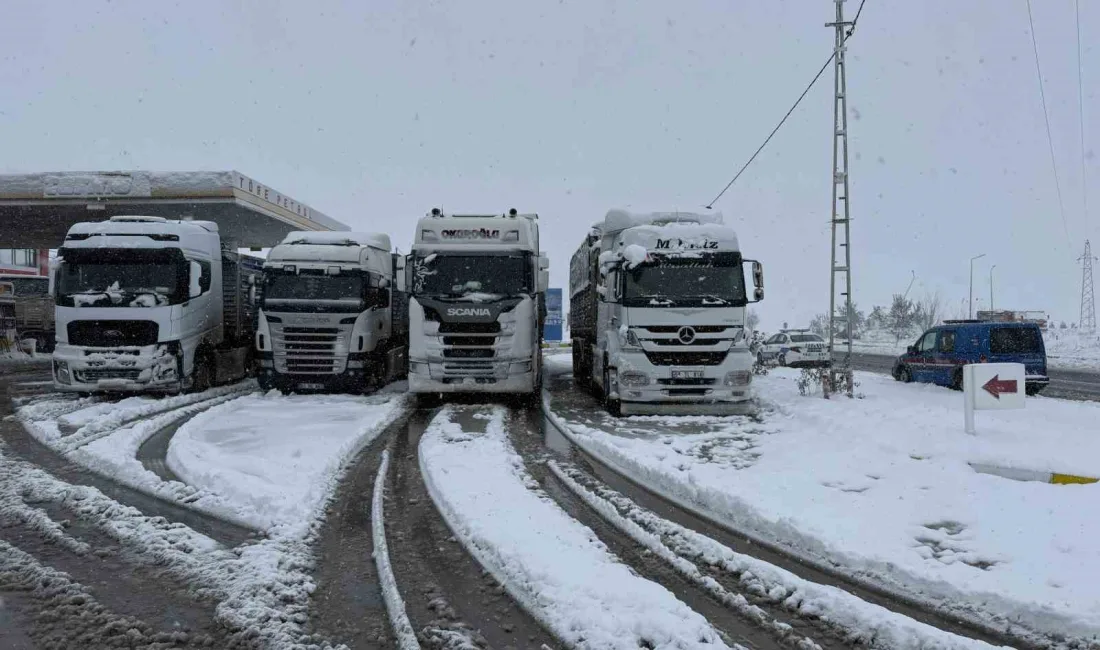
(373, 112)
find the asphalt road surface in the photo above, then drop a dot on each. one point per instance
(1064, 384)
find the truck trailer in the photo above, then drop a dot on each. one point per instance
(333, 313)
(657, 314)
(147, 304)
(477, 305)
(34, 308)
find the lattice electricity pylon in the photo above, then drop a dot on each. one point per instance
(838, 377)
(1088, 298)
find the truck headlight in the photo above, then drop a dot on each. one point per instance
(508, 327)
(520, 366)
(738, 378)
(633, 378)
(61, 371)
(418, 367)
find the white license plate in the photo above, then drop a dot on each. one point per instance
(687, 374)
(311, 386)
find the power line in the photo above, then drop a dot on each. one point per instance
(1081, 111)
(798, 101)
(1046, 118)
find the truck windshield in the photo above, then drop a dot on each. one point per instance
(716, 281)
(317, 292)
(471, 275)
(121, 278)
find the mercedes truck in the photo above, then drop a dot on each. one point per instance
(333, 313)
(477, 286)
(147, 304)
(657, 314)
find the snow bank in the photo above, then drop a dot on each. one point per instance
(277, 457)
(1072, 349)
(881, 488)
(549, 562)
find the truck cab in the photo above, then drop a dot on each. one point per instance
(146, 304)
(327, 313)
(476, 310)
(659, 320)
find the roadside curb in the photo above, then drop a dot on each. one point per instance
(1017, 474)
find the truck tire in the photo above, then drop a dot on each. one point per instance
(265, 382)
(202, 374)
(613, 406)
(428, 400)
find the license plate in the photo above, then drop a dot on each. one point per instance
(687, 374)
(311, 386)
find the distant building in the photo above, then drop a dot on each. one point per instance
(24, 261)
(1009, 316)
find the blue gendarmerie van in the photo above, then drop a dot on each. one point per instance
(940, 353)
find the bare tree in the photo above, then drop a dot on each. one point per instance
(752, 319)
(929, 309)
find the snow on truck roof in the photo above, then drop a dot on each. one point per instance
(669, 232)
(381, 241)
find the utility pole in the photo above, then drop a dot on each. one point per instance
(971, 309)
(1088, 298)
(839, 376)
(991, 286)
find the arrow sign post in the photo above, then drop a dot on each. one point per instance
(992, 386)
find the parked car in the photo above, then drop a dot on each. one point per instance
(940, 353)
(794, 348)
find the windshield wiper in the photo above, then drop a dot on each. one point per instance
(707, 296)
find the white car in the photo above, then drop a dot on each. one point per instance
(795, 348)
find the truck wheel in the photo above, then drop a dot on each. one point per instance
(427, 400)
(614, 406)
(202, 375)
(265, 382)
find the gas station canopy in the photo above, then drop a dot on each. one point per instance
(36, 210)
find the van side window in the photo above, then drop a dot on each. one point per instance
(947, 341)
(1015, 340)
(928, 343)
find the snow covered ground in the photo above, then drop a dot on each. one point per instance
(268, 461)
(881, 487)
(553, 565)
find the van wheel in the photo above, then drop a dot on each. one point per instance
(905, 375)
(614, 406)
(957, 379)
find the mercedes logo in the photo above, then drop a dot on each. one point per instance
(686, 335)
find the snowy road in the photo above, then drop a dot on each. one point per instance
(239, 519)
(1064, 383)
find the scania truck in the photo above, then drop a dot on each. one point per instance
(476, 311)
(333, 313)
(657, 314)
(147, 304)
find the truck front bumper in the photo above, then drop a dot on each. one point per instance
(150, 368)
(352, 379)
(501, 376)
(647, 389)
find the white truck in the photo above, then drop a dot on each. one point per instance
(333, 313)
(145, 304)
(657, 314)
(477, 305)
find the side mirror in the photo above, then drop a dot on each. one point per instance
(912, 349)
(196, 275)
(544, 281)
(544, 262)
(758, 275)
(384, 283)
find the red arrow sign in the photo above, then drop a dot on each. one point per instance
(996, 386)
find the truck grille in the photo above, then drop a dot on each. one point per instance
(113, 333)
(686, 358)
(308, 350)
(674, 329)
(92, 375)
(471, 368)
(469, 341)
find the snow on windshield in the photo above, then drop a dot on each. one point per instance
(474, 277)
(126, 285)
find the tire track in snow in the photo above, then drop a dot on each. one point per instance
(451, 600)
(654, 500)
(740, 620)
